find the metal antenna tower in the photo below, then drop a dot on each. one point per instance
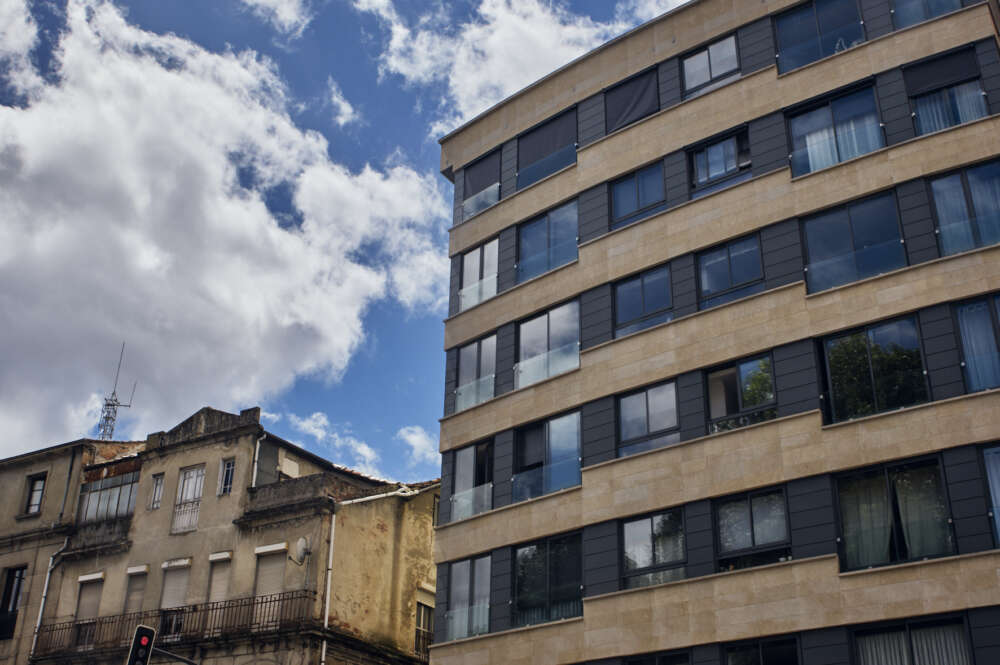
(109, 413)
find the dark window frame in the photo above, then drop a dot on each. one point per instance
(486, 449)
(547, 313)
(912, 101)
(668, 311)
(480, 249)
(14, 579)
(650, 434)
(885, 468)
(970, 208)
(992, 301)
(465, 194)
(519, 230)
(479, 368)
(777, 43)
(472, 590)
(623, 575)
(907, 625)
(992, 503)
(227, 476)
(518, 185)
(29, 508)
(545, 423)
(762, 642)
(654, 69)
(738, 557)
(714, 82)
(896, 26)
(547, 540)
(156, 492)
(638, 214)
(743, 172)
(733, 288)
(715, 424)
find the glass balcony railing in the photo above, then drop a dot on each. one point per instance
(471, 502)
(965, 234)
(859, 264)
(481, 201)
(547, 259)
(477, 292)
(467, 621)
(544, 365)
(546, 479)
(474, 392)
(547, 165)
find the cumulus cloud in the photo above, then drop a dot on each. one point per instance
(134, 208)
(289, 17)
(343, 447)
(343, 110)
(423, 447)
(18, 36)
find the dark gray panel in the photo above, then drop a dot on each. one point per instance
(501, 589)
(597, 423)
(675, 178)
(967, 487)
(877, 17)
(756, 45)
(938, 334)
(592, 207)
(811, 517)
(590, 119)
(894, 105)
(506, 358)
(457, 216)
(450, 380)
(454, 285)
(447, 482)
(669, 79)
(503, 467)
(507, 259)
(768, 143)
(684, 285)
(989, 71)
(692, 411)
(508, 168)
(796, 377)
(699, 538)
(916, 218)
(984, 628)
(596, 316)
(600, 559)
(441, 603)
(781, 249)
(829, 646)
(706, 654)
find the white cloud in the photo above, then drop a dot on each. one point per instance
(423, 447)
(269, 417)
(343, 111)
(124, 218)
(362, 457)
(18, 36)
(289, 17)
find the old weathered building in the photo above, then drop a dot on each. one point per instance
(722, 358)
(237, 546)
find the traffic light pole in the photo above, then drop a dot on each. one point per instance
(166, 654)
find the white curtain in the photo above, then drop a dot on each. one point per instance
(940, 645)
(982, 359)
(858, 136)
(821, 148)
(883, 649)
(953, 215)
(969, 101)
(933, 113)
(865, 510)
(922, 511)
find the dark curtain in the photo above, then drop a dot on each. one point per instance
(632, 100)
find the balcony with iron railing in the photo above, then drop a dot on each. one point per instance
(422, 643)
(241, 617)
(186, 516)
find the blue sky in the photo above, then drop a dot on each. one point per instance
(246, 192)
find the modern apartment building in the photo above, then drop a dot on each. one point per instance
(723, 349)
(235, 545)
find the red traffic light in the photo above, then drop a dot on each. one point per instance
(142, 646)
(144, 640)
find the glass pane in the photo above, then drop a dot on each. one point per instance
(934, 112)
(481, 582)
(564, 439)
(887, 648)
(933, 645)
(923, 514)
(490, 258)
(830, 251)
(723, 56)
(662, 407)
(968, 101)
(565, 577)
(564, 325)
(458, 592)
(650, 184)
(744, 257)
(723, 393)
(814, 145)
(656, 289)
(857, 124)
(623, 198)
(734, 525)
(769, 521)
(487, 356)
(701, 166)
(470, 268)
(798, 41)
(908, 12)
(668, 537)
(716, 155)
(897, 365)
(638, 544)
(714, 269)
(864, 515)
(533, 337)
(839, 25)
(876, 236)
(563, 228)
(628, 300)
(850, 376)
(746, 655)
(954, 223)
(979, 346)
(468, 359)
(984, 187)
(992, 457)
(532, 251)
(632, 416)
(784, 652)
(696, 70)
(756, 383)
(529, 585)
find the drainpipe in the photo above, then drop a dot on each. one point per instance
(45, 592)
(256, 456)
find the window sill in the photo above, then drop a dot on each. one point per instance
(910, 409)
(27, 516)
(516, 192)
(509, 631)
(922, 562)
(509, 506)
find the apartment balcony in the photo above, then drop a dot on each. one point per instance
(103, 537)
(246, 618)
(308, 493)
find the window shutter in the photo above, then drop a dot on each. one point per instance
(941, 72)
(89, 601)
(218, 586)
(632, 100)
(546, 139)
(134, 593)
(482, 174)
(270, 574)
(175, 583)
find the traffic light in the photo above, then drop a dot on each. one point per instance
(142, 646)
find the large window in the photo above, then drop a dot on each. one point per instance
(945, 91)
(730, 272)
(473, 490)
(967, 206)
(909, 12)
(10, 603)
(468, 598)
(980, 330)
(547, 148)
(879, 368)
(481, 184)
(88, 604)
(741, 394)
(816, 30)
(156, 495)
(188, 503)
(108, 498)
(752, 529)
(893, 514)
(36, 490)
(844, 128)
(479, 275)
(653, 549)
(853, 242)
(992, 457)
(781, 651)
(720, 164)
(548, 345)
(914, 643)
(547, 242)
(711, 67)
(637, 195)
(227, 473)
(631, 100)
(547, 457)
(648, 419)
(643, 301)
(135, 592)
(476, 373)
(548, 576)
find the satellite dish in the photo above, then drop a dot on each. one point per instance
(302, 550)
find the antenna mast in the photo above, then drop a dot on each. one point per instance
(109, 413)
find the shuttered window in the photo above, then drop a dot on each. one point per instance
(218, 584)
(134, 593)
(89, 602)
(175, 584)
(630, 101)
(270, 574)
